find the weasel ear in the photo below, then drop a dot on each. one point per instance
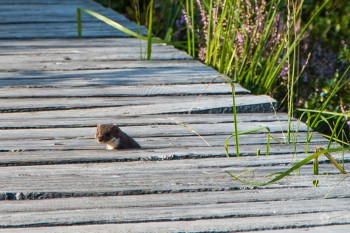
(116, 129)
(98, 125)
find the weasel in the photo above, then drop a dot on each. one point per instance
(114, 137)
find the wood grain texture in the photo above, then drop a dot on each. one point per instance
(303, 223)
(55, 88)
(71, 120)
(122, 91)
(57, 20)
(140, 105)
(153, 130)
(147, 177)
(33, 156)
(154, 141)
(193, 213)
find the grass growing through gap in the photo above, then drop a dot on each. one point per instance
(314, 117)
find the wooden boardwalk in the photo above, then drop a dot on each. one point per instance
(55, 88)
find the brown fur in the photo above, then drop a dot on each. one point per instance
(114, 137)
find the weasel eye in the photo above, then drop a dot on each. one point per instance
(107, 135)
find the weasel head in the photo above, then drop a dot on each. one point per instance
(107, 134)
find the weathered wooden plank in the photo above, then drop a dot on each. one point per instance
(61, 57)
(136, 105)
(171, 136)
(279, 155)
(56, 12)
(150, 105)
(297, 224)
(49, 48)
(150, 151)
(71, 46)
(61, 153)
(135, 54)
(212, 225)
(121, 76)
(54, 30)
(109, 77)
(90, 54)
(122, 91)
(25, 45)
(177, 213)
(70, 65)
(246, 196)
(52, 181)
(154, 130)
(81, 53)
(106, 78)
(198, 226)
(35, 31)
(129, 47)
(153, 149)
(153, 68)
(156, 175)
(58, 21)
(152, 142)
(84, 118)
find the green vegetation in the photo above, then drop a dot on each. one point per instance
(251, 40)
(279, 176)
(294, 50)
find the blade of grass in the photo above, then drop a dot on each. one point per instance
(332, 160)
(79, 23)
(210, 21)
(138, 20)
(150, 25)
(315, 166)
(236, 134)
(235, 123)
(193, 31)
(188, 28)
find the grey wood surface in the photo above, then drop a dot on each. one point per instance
(219, 225)
(56, 19)
(55, 88)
